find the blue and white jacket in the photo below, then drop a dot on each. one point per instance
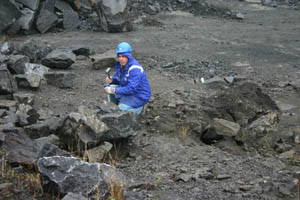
(134, 88)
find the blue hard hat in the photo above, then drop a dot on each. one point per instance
(124, 47)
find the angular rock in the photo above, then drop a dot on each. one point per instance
(296, 135)
(241, 103)
(60, 79)
(24, 98)
(34, 50)
(45, 21)
(84, 127)
(20, 149)
(70, 17)
(32, 4)
(215, 79)
(7, 83)
(26, 21)
(121, 125)
(45, 128)
(98, 153)
(224, 127)
(45, 113)
(7, 104)
(219, 128)
(10, 13)
(32, 68)
(46, 18)
(16, 64)
(49, 150)
(113, 15)
(81, 50)
(6, 48)
(72, 196)
(28, 81)
(32, 114)
(60, 59)
(62, 175)
(51, 139)
(105, 60)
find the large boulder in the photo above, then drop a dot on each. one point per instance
(70, 17)
(35, 50)
(113, 15)
(84, 128)
(62, 175)
(59, 59)
(46, 18)
(9, 14)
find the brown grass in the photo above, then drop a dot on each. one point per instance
(183, 132)
(116, 190)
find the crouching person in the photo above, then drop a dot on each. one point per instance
(129, 87)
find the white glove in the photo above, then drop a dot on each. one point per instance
(110, 90)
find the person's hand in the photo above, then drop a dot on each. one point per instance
(110, 90)
(108, 80)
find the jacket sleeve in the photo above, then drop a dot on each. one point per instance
(134, 78)
(116, 76)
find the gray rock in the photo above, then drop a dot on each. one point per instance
(62, 175)
(121, 125)
(7, 104)
(28, 81)
(105, 60)
(32, 4)
(214, 80)
(51, 139)
(24, 98)
(6, 48)
(98, 153)
(81, 50)
(113, 15)
(46, 18)
(70, 17)
(71, 20)
(45, 128)
(38, 69)
(72, 196)
(35, 50)
(45, 21)
(2, 137)
(10, 13)
(32, 114)
(20, 149)
(26, 21)
(84, 127)
(60, 59)
(16, 63)
(49, 150)
(60, 79)
(7, 83)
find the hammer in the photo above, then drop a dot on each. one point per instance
(108, 72)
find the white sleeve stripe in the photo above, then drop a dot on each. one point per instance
(134, 67)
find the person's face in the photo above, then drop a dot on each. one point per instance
(123, 60)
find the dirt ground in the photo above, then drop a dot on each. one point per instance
(264, 47)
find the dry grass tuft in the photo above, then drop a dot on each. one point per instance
(116, 190)
(183, 132)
